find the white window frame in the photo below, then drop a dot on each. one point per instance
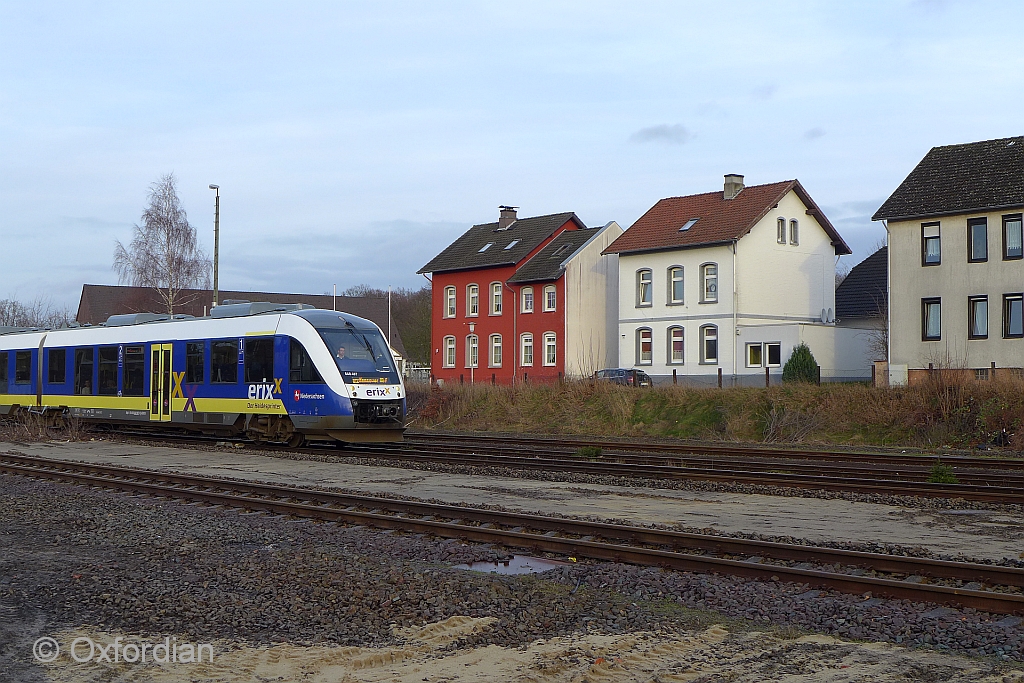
(496, 296)
(472, 300)
(550, 298)
(526, 296)
(780, 230)
(449, 302)
(759, 347)
(526, 343)
(472, 351)
(705, 278)
(675, 274)
(550, 349)
(494, 351)
(671, 336)
(794, 232)
(644, 335)
(448, 361)
(643, 287)
(767, 353)
(704, 330)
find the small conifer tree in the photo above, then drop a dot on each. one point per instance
(801, 366)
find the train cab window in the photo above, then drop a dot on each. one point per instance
(107, 382)
(300, 367)
(224, 362)
(3, 372)
(195, 363)
(83, 371)
(22, 367)
(259, 360)
(57, 366)
(134, 371)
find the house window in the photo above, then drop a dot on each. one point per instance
(794, 232)
(527, 354)
(1013, 315)
(977, 240)
(773, 354)
(550, 298)
(472, 351)
(550, 350)
(931, 319)
(1012, 238)
(57, 366)
(449, 302)
(675, 345)
(643, 346)
(709, 344)
(675, 285)
(495, 354)
(931, 251)
(709, 278)
(755, 355)
(473, 300)
(527, 299)
(495, 298)
(780, 231)
(511, 244)
(449, 352)
(485, 247)
(643, 287)
(977, 311)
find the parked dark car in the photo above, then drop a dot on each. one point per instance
(625, 376)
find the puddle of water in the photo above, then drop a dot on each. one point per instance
(519, 564)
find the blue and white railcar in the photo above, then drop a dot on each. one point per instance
(281, 373)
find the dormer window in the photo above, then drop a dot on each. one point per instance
(485, 247)
(511, 244)
(688, 224)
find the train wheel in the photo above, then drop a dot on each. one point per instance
(296, 440)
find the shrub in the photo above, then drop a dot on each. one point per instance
(801, 366)
(590, 452)
(942, 474)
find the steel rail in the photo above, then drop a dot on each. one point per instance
(339, 507)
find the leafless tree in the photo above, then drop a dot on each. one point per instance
(878, 334)
(164, 253)
(41, 312)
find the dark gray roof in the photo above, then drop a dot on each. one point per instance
(862, 293)
(464, 253)
(546, 264)
(977, 176)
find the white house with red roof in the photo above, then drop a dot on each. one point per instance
(730, 282)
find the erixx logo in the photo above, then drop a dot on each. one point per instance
(386, 391)
(264, 391)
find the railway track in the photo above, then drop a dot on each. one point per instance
(917, 579)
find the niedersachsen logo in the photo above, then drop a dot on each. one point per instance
(300, 395)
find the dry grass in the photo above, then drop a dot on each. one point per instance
(945, 410)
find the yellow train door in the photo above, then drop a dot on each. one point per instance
(160, 382)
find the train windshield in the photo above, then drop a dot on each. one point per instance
(362, 355)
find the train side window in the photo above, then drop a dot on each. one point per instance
(107, 381)
(224, 362)
(57, 370)
(83, 371)
(259, 360)
(301, 368)
(22, 367)
(3, 372)
(195, 362)
(134, 371)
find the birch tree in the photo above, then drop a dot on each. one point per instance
(164, 253)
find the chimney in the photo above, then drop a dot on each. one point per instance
(733, 185)
(507, 216)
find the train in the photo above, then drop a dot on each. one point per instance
(278, 373)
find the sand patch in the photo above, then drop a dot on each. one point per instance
(430, 654)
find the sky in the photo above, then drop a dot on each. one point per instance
(354, 141)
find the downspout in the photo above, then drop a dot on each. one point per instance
(735, 312)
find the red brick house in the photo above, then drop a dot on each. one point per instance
(524, 299)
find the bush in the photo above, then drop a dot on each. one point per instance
(589, 452)
(801, 366)
(942, 474)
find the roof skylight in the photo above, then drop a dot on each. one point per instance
(688, 224)
(485, 247)
(511, 244)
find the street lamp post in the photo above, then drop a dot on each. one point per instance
(216, 244)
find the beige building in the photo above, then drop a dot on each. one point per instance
(956, 261)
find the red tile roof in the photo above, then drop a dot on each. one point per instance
(719, 220)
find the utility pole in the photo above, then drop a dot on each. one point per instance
(216, 244)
